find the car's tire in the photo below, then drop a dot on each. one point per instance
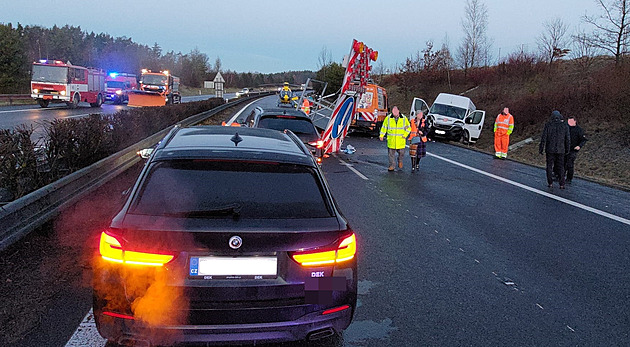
(75, 101)
(465, 138)
(43, 103)
(99, 101)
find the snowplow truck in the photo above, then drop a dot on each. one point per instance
(155, 89)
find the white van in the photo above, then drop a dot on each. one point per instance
(453, 117)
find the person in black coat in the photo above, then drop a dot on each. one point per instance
(555, 142)
(578, 139)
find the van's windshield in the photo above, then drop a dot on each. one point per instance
(448, 111)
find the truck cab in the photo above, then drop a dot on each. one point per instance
(371, 109)
(453, 117)
(118, 86)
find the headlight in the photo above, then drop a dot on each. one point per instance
(35, 91)
(118, 92)
(63, 92)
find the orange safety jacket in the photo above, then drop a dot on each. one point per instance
(414, 130)
(306, 106)
(504, 125)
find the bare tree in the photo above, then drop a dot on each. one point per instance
(583, 52)
(612, 28)
(218, 65)
(553, 41)
(325, 58)
(475, 46)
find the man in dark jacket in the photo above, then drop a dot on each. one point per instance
(578, 139)
(555, 142)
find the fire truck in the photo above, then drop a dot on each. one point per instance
(56, 81)
(118, 85)
(155, 89)
(371, 109)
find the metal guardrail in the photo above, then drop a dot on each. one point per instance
(20, 217)
(13, 97)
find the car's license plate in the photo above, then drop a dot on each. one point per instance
(441, 132)
(213, 267)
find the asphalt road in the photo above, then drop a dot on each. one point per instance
(468, 251)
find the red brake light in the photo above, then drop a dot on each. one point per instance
(345, 251)
(336, 309)
(112, 250)
(118, 315)
(320, 144)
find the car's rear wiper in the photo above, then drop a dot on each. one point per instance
(233, 210)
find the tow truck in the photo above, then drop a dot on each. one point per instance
(156, 89)
(55, 81)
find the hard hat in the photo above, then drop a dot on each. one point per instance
(286, 83)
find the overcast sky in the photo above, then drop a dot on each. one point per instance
(264, 36)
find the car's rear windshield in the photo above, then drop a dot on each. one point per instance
(296, 125)
(221, 189)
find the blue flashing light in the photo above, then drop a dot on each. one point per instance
(43, 61)
(113, 74)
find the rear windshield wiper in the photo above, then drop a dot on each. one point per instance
(233, 210)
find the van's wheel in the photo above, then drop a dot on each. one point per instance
(99, 101)
(465, 139)
(43, 103)
(75, 101)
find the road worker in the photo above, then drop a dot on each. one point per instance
(397, 127)
(418, 140)
(503, 127)
(306, 106)
(285, 93)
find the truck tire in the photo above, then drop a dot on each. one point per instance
(465, 139)
(75, 101)
(99, 101)
(43, 103)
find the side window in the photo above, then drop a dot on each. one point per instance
(79, 75)
(476, 119)
(382, 100)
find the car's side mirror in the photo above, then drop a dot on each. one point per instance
(145, 153)
(468, 120)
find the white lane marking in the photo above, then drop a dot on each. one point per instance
(538, 191)
(86, 334)
(539, 306)
(573, 330)
(233, 119)
(79, 115)
(349, 166)
(26, 110)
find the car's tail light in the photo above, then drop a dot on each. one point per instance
(318, 144)
(111, 249)
(319, 160)
(345, 251)
(336, 309)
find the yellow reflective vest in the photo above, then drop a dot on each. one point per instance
(396, 131)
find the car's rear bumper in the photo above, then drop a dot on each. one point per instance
(308, 326)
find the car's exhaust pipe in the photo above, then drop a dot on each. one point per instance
(128, 341)
(320, 334)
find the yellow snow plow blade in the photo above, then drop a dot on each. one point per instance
(140, 98)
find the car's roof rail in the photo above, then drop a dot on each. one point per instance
(168, 137)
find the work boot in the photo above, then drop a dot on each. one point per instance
(391, 168)
(413, 164)
(400, 165)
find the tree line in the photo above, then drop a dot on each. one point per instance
(22, 45)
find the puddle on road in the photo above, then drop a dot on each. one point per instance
(360, 331)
